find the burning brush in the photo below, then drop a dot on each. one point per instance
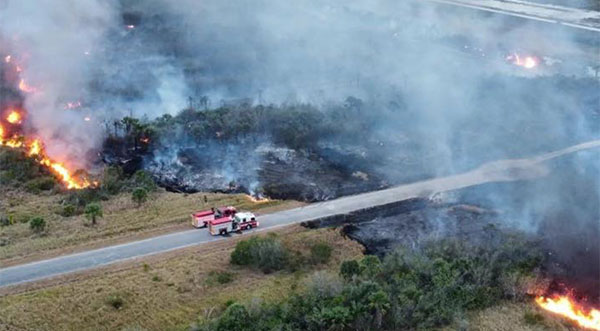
(567, 307)
(527, 62)
(12, 134)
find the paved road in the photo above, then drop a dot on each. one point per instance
(573, 17)
(504, 170)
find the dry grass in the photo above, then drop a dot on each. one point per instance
(164, 212)
(165, 292)
(512, 316)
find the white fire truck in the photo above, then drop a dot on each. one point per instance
(223, 220)
(200, 219)
(239, 222)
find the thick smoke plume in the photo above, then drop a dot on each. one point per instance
(433, 82)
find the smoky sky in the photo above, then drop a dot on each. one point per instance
(445, 67)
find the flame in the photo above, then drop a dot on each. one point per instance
(13, 117)
(34, 148)
(528, 62)
(130, 27)
(257, 199)
(23, 86)
(7, 58)
(562, 305)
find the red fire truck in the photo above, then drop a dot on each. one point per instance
(200, 219)
(239, 222)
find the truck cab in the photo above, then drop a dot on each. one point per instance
(239, 222)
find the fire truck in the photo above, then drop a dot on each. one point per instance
(239, 222)
(200, 219)
(223, 220)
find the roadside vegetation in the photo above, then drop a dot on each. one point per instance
(168, 292)
(408, 290)
(42, 220)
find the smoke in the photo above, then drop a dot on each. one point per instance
(431, 82)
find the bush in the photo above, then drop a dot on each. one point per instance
(349, 269)
(267, 254)
(235, 317)
(320, 253)
(81, 198)
(37, 224)
(115, 301)
(68, 210)
(139, 196)
(93, 211)
(40, 184)
(112, 180)
(6, 220)
(144, 180)
(420, 289)
(220, 277)
(532, 318)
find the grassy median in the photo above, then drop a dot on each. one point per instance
(123, 220)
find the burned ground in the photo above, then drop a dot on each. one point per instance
(562, 224)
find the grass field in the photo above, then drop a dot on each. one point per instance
(172, 290)
(122, 221)
(165, 292)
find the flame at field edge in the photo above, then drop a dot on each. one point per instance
(34, 148)
(566, 307)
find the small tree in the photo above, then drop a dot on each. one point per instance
(139, 195)
(92, 212)
(37, 224)
(349, 269)
(320, 253)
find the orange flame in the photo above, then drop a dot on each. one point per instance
(528, 62)
(23, 86)
(562, 305)
(257, 199)
(34, 148)
(13, 117)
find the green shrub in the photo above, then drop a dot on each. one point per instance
(349, 269)
(532, 318)
(6, 220)
(116, 301)
(68, 210)
(81, 198)
(40, 184)
(235, 317)
(420, 289)
(93, 211)
(220, 277)
(320, 253)
(37, 224)
(112, 180)
(267, 254)
(144, 180)
(270, 256)
(139, 196)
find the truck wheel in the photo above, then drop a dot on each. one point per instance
(249, 227)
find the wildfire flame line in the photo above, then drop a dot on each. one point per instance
(34, 148)
(562, 305)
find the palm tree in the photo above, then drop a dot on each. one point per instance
(93, 211)
(380, 302)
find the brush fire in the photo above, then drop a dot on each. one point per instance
(527, 62)
(566, 307)
(13, 135)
